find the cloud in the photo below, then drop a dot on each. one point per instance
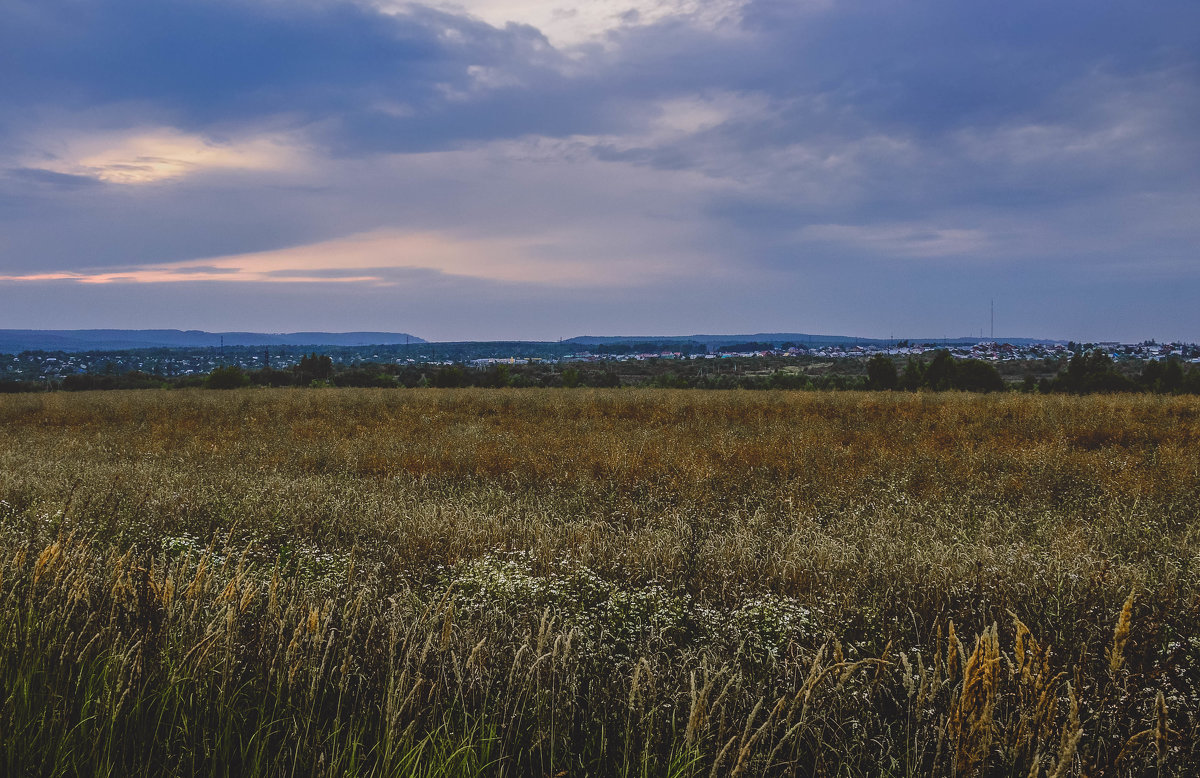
(572, 24)
(151, 155)
(43, 177)
(903, 240)
(374, 259)
(195, 64)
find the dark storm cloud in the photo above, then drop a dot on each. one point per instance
(200, 64)
(401, 82)
(919, 67)
(208, 61)
(925, 70)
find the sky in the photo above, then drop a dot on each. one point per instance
(537, 169)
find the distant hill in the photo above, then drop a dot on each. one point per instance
(13, 341)
(779, 338)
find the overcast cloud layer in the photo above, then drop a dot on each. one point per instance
(493, 169)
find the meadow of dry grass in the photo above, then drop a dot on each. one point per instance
(598, 582)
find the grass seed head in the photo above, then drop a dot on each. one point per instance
(1116, 652)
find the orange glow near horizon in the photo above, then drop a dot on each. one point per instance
(374, 257)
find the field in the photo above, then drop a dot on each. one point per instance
(355, 582)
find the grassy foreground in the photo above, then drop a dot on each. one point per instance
(627, 583)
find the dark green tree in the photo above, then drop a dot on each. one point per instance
(940, 374)
(365, 377)
(1152, 373)
(881, 373)
(229, 377)
(450, 377)
(975, 375)
(603, 378)
(1172, 377)
(269, 376)
(914, 374)
(1092, 371)
(314, 367)
(1191, 381)
(496, 377)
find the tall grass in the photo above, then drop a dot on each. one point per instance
(472, 582)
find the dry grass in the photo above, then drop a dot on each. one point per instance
(473, 582)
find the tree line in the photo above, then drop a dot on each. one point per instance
(1087, 372)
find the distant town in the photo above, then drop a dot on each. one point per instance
(179, 362)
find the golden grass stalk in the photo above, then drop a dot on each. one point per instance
(1116, 652)
(971, 718)
(1071, 735)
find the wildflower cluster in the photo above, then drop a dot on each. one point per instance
(621, 615)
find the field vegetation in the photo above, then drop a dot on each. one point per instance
(472, 582)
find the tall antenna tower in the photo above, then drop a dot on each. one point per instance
(992, 311)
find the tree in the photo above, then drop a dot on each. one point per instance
(1191, 381)
(606, 378)
(230, 377)
(496, 377)
(1172, 377)
(1151, 375)
(364, 377)
(914, 374)
(450, 377)
(669, 380)
(1092, 371)
(269, 376)
(782, 380)
(881, 373)
(975, 375)
(940, 374)
(314, 367)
